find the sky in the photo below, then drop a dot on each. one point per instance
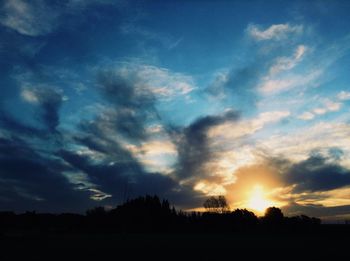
(104, 100)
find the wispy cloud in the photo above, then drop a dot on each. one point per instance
(148, 35)
(274, 32)
(277, 85)
(288, 63)
(231, 131)
(161, 82)
(280, 76)
(320, 136)
(328, 106)
(29, 18)
(39, 17)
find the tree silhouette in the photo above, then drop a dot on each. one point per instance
(273, 215)
(216, 205)
(150, 214)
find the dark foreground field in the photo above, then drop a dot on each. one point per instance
(331, 242)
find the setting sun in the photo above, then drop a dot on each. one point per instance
(257, 200)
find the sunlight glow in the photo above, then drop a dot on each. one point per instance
(257, 200)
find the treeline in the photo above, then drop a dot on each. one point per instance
(149, 214)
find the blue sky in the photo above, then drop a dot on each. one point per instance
(102, 100)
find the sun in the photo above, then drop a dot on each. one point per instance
(257, 200)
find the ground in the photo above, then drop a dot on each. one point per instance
(268, 245)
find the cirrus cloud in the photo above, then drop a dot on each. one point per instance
(274, 32)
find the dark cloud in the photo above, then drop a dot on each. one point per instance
(317, 173)
(132, 106)
(30, 181)
(193, 148)
(325, 213)
(50, 101)
(120, 88)
(118, 171)
(238, 86)
(128, 179)
(15, 126)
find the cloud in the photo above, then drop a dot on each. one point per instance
(175, 43)
(317, 179)
(29, 96)
(320, 136)
(332, 106)
(320, 111)
(49, 100)
(210, 188)
(134, 91)
(153, 80)
(32, 18)
(111, 177)
(276, 85)
(117, 150)
(329, 106)
(281, 77)
(156, 155)
(127, 179)
(317, 173)
(120, 141)
(229, 146)
(46, 103)
(268, 74)
(115, 169)
(132, 107)
(149, 36)
(40, 17)
(274, 32)
(30, 181)
(15, 126)
(287, 63)
(193, 144)
(306, 116)
(238, 85)
(161, 82)
(343, 96)
(334, 213)
(231, 131)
